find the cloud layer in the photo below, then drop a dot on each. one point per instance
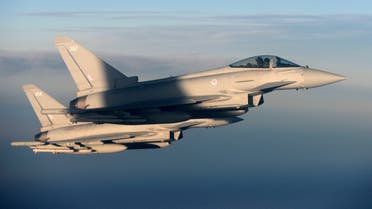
(305, 149)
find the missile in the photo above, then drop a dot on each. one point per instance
(104, 148)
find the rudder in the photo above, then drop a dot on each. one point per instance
(40, 102)
(90, 73)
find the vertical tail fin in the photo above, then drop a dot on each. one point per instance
(90, 73)
(41, 102)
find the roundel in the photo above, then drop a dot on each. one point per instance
(214, 82)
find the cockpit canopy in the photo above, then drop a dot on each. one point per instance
(263, 61)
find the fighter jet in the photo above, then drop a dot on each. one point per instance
(59, 135)
(114, 112)
(105, 95)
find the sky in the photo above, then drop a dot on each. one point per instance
(300, 149)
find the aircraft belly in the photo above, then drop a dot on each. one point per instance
(152, 145)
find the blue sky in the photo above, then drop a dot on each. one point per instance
(305, 149)
(241, 7)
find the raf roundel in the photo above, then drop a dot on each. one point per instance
(214, 82)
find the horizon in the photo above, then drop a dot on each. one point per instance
(300, 149)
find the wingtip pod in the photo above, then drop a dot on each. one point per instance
(61, 40)
(26, 143)
(28, 86)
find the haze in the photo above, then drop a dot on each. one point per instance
(305, 149)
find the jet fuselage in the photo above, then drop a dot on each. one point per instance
(215, 93)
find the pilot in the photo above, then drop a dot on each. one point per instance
(278, 62)
(266, 62)
(260, 62)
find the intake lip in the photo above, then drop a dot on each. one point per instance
(79, 103)
(42, 136)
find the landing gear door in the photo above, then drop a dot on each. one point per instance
(255, 101)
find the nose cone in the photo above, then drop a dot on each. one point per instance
(314, 78)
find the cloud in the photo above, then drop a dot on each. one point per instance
(304, 26)
(108, 14)
(292, 18)
(198, 29)
(151, 33)
(12, 63)
(200, 17)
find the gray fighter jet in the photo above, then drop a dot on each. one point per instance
(59, 135)
(114, 112)
(105, 95)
